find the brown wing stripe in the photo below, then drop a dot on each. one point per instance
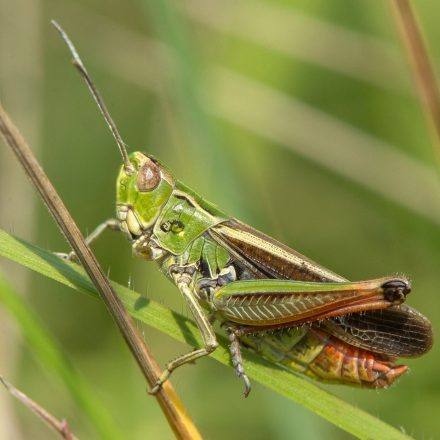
(270, 256)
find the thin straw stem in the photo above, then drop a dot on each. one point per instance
(170, 403)
(422, 68)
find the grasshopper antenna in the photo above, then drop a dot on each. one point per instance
(129, 168)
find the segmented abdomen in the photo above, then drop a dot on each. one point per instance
(324, 357)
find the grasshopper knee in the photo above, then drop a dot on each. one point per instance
(211, 346)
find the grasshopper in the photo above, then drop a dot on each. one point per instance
(266, 296)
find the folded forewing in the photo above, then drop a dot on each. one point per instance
(266, 257)
(396, 331)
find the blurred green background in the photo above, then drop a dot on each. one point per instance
(299, 117)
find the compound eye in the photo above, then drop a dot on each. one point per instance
(148, 177)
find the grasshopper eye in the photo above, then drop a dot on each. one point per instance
(148, 177)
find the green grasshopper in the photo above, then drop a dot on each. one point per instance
(265, 295)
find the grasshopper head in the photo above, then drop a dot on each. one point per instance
(141, 193)
(143, 185)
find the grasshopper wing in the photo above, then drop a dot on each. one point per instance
(265, 257)
(397, 330)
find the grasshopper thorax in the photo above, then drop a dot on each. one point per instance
(141, 195)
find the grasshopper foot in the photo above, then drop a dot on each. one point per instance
(162, 379)
(237, 360)
(247, 384)
(71, 256)
(154, 390)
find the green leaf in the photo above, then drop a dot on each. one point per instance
(52, 357)
(292, 386)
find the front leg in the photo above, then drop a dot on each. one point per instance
(183, 282)
(111, 224)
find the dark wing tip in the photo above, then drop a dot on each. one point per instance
(398, 331)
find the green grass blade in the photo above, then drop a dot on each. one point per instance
(292, 386)
(187, 89)
(51, 356)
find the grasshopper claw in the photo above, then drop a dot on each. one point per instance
(71, 256)
(162, 379)
(153, 391)
(62, 255)
(247, 385)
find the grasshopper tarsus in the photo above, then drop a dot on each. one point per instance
(71, 256)
(110, 224)
(237, 359)
(188, 358)
(247, 385)
(156, 388)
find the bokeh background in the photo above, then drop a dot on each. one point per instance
(299, 117)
